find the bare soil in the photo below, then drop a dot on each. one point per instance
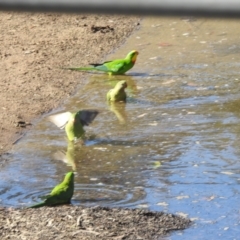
(69, 222)
(33, 47)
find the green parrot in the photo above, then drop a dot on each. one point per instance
(118, 94)
(61, 194)
(74, 122)
(115, 67)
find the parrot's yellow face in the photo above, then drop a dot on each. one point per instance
(134, 56)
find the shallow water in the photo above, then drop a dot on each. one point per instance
(173, 147)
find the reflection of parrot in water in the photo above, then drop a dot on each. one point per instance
(118, 94)
(61, 194)
(69, 156)
(74, 122)
(116, 67)
(118, 108)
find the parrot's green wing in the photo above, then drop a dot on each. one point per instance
(45, 197)
(117, 66)
(114, 66)
(61, 194)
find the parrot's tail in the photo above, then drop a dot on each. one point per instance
(42, 204)
(80, 68)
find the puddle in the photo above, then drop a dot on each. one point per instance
(173, 147)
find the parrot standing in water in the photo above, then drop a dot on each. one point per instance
(115, 67)
(118, 94)
(61, 194)
(74, 122)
